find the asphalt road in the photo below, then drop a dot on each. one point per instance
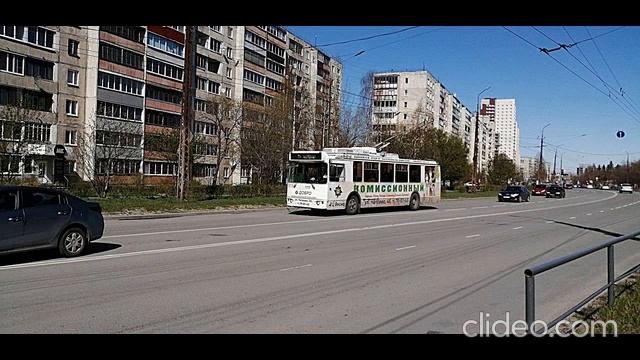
(274, 272)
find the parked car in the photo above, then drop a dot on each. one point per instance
(626, 188)
(540, 189)
(589, 186)
(514, 193)
(605, 187)
(568, 186)
(36, 218)
(555, 191)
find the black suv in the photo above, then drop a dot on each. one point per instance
(514, 193)
(555, 191)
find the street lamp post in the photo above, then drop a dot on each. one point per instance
(476, 147)
(540, 164)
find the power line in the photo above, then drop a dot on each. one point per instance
(607, 85)
(366, 38)
(574, 73)
(608, 67)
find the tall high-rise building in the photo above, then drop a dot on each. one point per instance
(502, 114)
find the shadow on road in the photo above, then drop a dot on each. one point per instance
(50, 254)
(602, 231)
(327, 213)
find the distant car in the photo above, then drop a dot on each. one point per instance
(540, 189)
(555, 191)
(605, 187)
(589, 186)
(626, 188)
(517, 193)
(34, 218)
(568, 186)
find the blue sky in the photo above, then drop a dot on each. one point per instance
(467, 59)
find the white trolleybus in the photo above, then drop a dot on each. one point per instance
(359, 177)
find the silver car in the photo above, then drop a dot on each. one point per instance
(37, 218)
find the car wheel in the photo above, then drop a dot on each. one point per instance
(353, 205)
(73, 242)
(527, 200)
(414, 203)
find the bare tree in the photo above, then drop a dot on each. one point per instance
(226, 116)
(18, 129)
(107, 149)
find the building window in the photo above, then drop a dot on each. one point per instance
(37, 132)
(230, 32)
(164, 44)
(229, 72)
(178, 28)
(72, 107)
(255, 39)
(11, 63)
(121, 56)
(133, 33)
(163, 94)
(38, 69)
(215, 28)
(119, 83)
(275, 67)
(213, 66)
(70, 137)
(214, 87)
(160, 168)
(254, 57)
(164, 69)
(405, 116)
(201, 61)
(117, 111)
(118, 139)
(230, 53)
(214, 45)
(204, 170)
(73, 48)
(405, 104)
(253, 77)
(227, 92)
(273, 84)
(73, 77)
(201, 83)
(200, 105)
(159, 118)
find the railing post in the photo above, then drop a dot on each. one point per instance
(610, 275)
(529, 302)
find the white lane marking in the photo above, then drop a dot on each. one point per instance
(456, 209)
(612, 209)
(601, 210)
(517, 228)
(498, 205)
(549, 222)
(573, 217)
(296, 267)
(589, 214)
(480, 207)
(472, 236)
(406, 247)
(283, 237)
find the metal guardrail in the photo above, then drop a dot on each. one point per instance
(530, 273)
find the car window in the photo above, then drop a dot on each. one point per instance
(8, 200)
(31, 198)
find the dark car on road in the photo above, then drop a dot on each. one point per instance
(555, 191)
(37, 218)
(514, 193)
(540, 189)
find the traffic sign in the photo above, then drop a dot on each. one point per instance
(620, 134)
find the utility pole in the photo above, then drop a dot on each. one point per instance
(329, 137)
(555, 155)
(186, 122)
(540, 164)
(627, 166)
(476, 146)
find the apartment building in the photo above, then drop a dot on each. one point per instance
(417, 98)
(121, 87)
(43, 95)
